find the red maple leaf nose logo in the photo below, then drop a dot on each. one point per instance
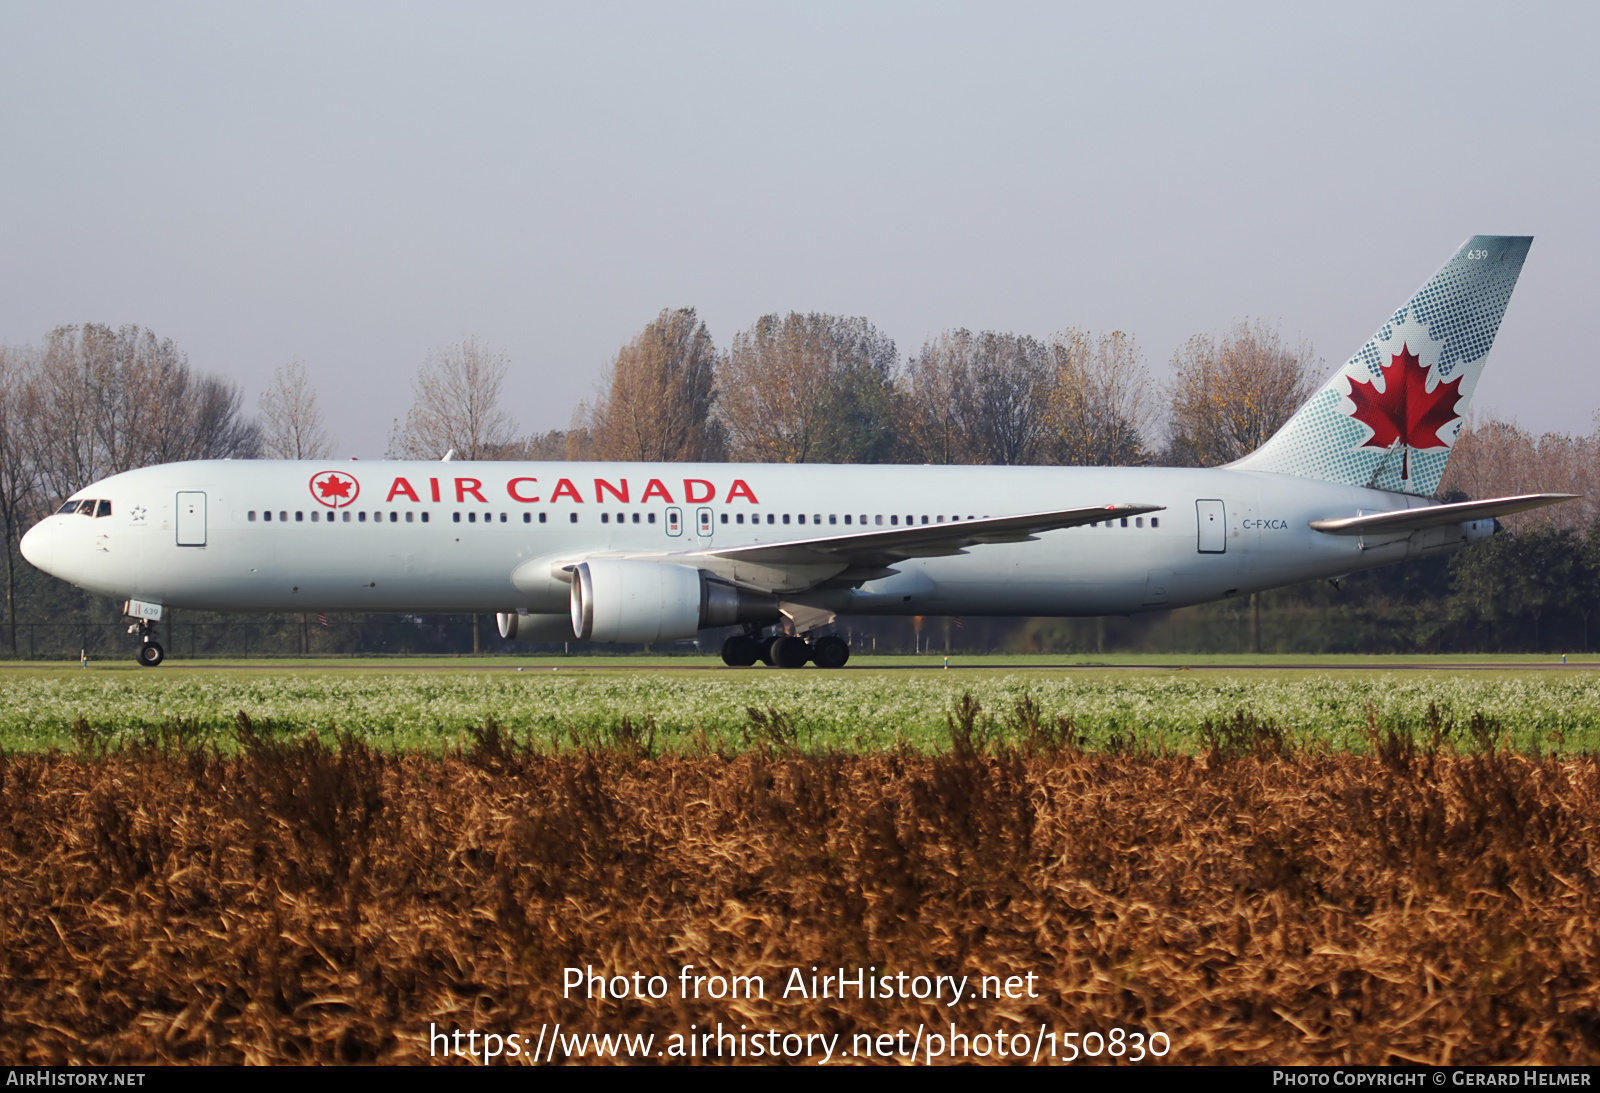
(334, 489)
(1404, 410)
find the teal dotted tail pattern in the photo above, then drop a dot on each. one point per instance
(1450, 323)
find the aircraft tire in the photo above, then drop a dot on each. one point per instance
(788, 652)
(151, 654)
(740, 651)
(830, 652)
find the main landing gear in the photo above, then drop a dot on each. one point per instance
(150, 652)
(785, 651)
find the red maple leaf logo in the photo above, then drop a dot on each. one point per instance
(1404, 410)
(334, 489)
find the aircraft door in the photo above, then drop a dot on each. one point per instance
(1213, 520)
(192, 519)
(674, 521)
(706, 524)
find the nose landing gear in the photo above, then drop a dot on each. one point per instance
(150, 652)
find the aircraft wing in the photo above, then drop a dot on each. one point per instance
(885, 546)
(1432, 516)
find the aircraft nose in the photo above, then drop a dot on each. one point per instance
(38, 545)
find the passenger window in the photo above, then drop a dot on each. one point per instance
(313, 517)
(267, 516)
(878, 520)
(894, 521)
(299, 517)
(542, 515)
(572, 517)
(347, 516)
(1139, 522)
(527, 518)
(724, 518)
(636, 517)
(832, 519)
(410, 517)
(652, 518)
(739, 519)
(456, 516)
(847, 517)
(773, 519)
(1155, 521)
(424, 518)
(251, 516)
(1124, 521)
(605, 518)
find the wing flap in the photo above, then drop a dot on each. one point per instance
(1432, 516)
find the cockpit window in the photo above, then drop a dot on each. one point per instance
(104, 509)
(85, 508)
(67, 509)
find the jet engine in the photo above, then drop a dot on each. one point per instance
(624, 600)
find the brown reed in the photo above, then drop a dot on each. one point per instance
(308, 901)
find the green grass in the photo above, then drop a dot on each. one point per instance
(960, 661)
(887, 702)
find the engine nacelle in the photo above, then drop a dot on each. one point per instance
(524, 626)
(623, 600)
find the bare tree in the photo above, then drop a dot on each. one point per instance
(456, 407)
(1493, 458)
(807, 389)
(19, 479)
(976, 398)
(109, 401)
(291, 422)
(1230, 395)
(659, 394)
(1100, 401)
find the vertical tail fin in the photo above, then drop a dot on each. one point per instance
(1389, 417)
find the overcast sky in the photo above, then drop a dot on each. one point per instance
(353, 185)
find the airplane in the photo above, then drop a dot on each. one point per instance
(642, 552)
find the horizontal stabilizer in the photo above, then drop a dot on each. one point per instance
(1433, 516)
(887, 546)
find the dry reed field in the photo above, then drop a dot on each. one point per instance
(301, 900)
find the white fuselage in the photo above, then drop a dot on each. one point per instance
(492, 536)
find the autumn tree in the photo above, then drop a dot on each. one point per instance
(291, 422)
(1100, 400)
(1230, 394)
(976, 398)
(658, 394)
(808, 389)
(456, 406)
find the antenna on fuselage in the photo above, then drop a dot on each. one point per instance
(448, 456)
